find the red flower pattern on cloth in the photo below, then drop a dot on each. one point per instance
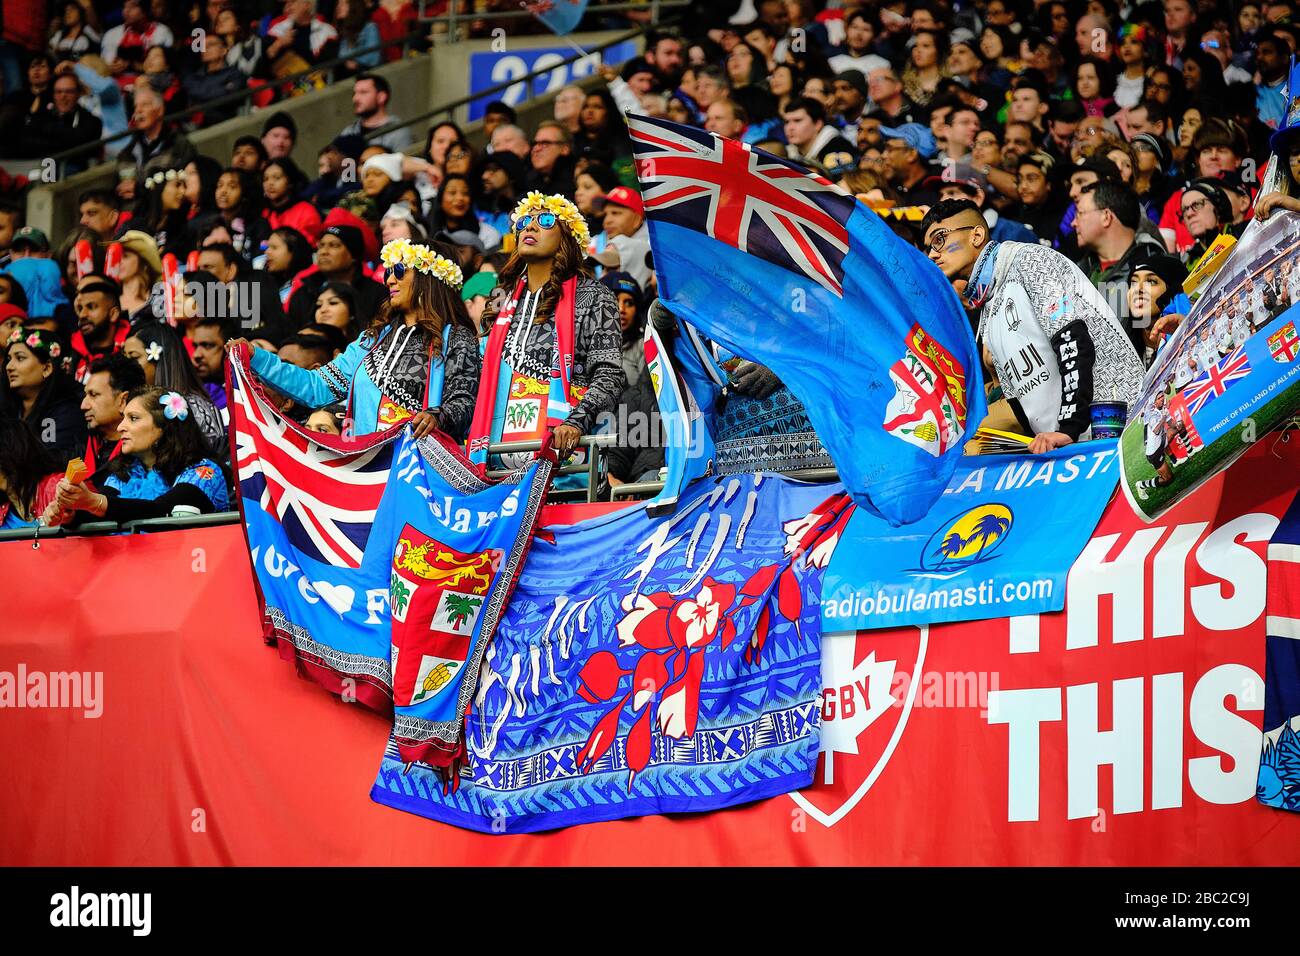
(673, 633)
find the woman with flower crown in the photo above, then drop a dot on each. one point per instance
(553, 361)
(37, 390)
(418, 361)
(161, 464)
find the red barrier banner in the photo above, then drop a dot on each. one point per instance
(152, 723)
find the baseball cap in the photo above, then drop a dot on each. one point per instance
(915, 135)
(30, 236)
(480, 283)
(621, 282)
(958, 174)
(620, 196)
(462, 237)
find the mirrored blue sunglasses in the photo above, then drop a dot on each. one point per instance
(545, 220)
(398, 269)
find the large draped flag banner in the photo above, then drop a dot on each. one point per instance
(648, 665)
(779, 265)
(383, 564)
(1279, 765)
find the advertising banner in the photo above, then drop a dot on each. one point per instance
(489, 68)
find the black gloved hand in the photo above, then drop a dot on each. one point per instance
(754, 380)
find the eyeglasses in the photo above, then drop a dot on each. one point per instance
(545, 220)
(941, 236)
(1195, 207)
(397, 270)
(547, 142)
(1160, 86)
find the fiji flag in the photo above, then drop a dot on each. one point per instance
(561, 16)
(781, 266)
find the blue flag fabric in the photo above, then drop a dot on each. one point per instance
(998, 543)
(560, 16)
(648, 665)
(383, 565)
(1278, 784)
(779, 265)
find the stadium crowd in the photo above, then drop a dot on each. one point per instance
(1092, 150)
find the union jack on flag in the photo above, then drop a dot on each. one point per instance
(325, 499)
(1214, 381)
(757, 202)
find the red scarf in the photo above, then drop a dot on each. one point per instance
(559, 401)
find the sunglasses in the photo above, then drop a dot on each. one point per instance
(545, 220)
(397, 270)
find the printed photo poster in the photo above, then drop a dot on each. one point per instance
(1225, 378)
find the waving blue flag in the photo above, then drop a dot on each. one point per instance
(779, 265)
(561, 16)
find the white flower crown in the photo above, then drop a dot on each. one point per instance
(422, 259)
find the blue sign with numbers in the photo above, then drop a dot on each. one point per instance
(489, 69)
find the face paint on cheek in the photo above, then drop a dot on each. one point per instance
(953, 248)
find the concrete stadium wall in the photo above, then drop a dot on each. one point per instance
(419, 84)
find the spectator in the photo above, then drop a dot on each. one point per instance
(1180, 27)
(29, 242)
(340, 257)
(299, 39)
(242, 296)
(110, 377)
(336, 307)
(162, 464)
(859, 38)
(509, 138)
(1271, 57)
(551, 165)
(162, 211)
(74, 37)
(356, 32)
(216, 78)
(160, 75)
(249, 155)
(418, 360)
(141, 298)
(961, 181)
(1156, 298)
(101, 327)
(595, 180)
(13, 305)
(1094, 86)
(396, 20)
(161, 354)
(43, 286)
(929, 50)
(476, 291)
(663, 51)
(849, 90)
(1106, 224)
(628, 239)
(499, 189)
(124, 46)
(208, 335)
(282, 185)
(287, 254)
(38, 392)
(29, 475)
(370, 96)
(62, 125)
(19, 105)
(812, 139)
(568, 106)
(152, 146)
(11, 220)
(399, 222)
(243, 50)
(907, 148)
(440, 138)
(498, 113)
(1131, 53)
(279, 134)
(1149, 117)
(631, 319)
(888, 99)
(101, 96)
(603, 137)
(1016, 289)
(1206, 212)
(238, 201)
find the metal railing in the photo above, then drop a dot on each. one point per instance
(240, 97)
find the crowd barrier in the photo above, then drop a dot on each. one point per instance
(1122, 731)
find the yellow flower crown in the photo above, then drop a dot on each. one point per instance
(565, 211)
(422, 259)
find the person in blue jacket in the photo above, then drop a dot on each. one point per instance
(418, 362)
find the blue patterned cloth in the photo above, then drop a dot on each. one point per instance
(147, 484)
(645, 666)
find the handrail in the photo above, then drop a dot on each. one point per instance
(240, 95)
(451, 17)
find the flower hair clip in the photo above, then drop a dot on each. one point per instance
(35, 339)
(412, 255)
(174, 406)
(562, 209)
(154, 352)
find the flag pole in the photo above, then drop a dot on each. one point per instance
(530, 7)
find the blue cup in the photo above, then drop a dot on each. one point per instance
(1108, 418)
